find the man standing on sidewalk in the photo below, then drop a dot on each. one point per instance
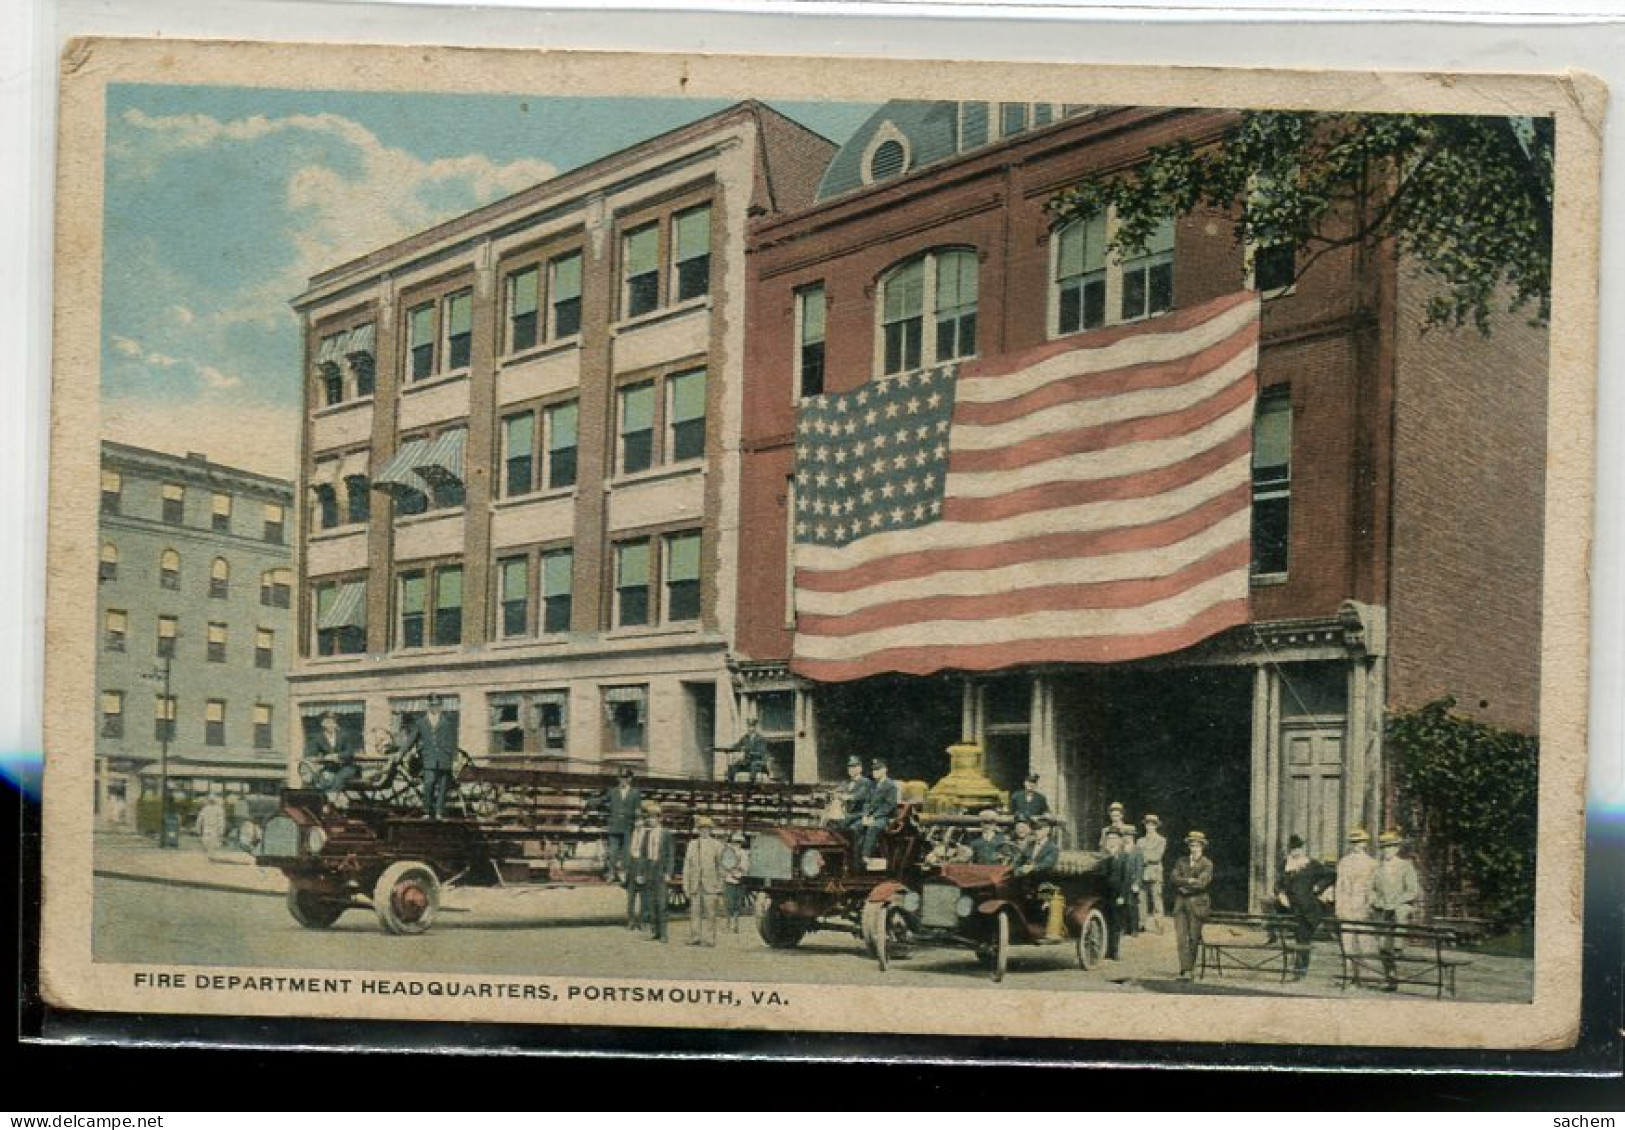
(653, 855)
(1152, 849)
(703, 882)
(1395, 891)
(1192, 877)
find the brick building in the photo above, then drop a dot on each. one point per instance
(520, 468)
(1396, 486)
(196, 583)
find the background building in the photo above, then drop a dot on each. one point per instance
(520, 461)
(196, 577)
(1396, 485)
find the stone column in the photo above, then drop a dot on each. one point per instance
(1263, 801)
(1044, 747)
(806, 760)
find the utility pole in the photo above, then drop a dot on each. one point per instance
(163, 760)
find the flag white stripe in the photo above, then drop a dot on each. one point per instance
(1142, 620)
(1089, 516)
(1135, 350)
(1139, 564)
(1107, 463)
(1075, 414)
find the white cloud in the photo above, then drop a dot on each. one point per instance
(127, 346)
(214, 378)
(182, 314)
(210, 375)
(254, 437)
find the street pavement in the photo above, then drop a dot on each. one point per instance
(184, 906)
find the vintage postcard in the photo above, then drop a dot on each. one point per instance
(820, 545)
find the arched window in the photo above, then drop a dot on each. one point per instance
(887, 160)
(109, 565)
(169, 570)
(1091, 289)
(219, 578)
(943, 283)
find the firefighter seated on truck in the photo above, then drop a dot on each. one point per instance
(752, 750)
(878, 809)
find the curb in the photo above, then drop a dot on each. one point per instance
(194, 884)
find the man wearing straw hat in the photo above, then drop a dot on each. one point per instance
(1352, 894)
(1191, 879)
(1395, 891)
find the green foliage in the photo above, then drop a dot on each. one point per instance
(1469, 199)
(1474, 790)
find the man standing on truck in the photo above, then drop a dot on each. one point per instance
(621, 804)
(1029, 804)
(434, 736)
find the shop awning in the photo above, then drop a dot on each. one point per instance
(349, 607)
(397, 473)
(443, 461)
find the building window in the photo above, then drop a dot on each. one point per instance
(264, 638)
(887, 160)
(420, 340)
(327, 506)
(112, 714)
(507, 731)
(340, 609)
(275, 516)
(1148, 276)
(115, 629)
(1080, 275)
(358, 501)
(564, 296)
(1012, 118)
(422, 591)
(276, 588)
(691, 266)
(1275, 267)
(458, 313)
(219, 578)
(217, 642)
(944, 282)
(524, 306)
(514, 577)
(640, 266)
(112, 492)
(562, 423)
(626, 715)
(168, 629)
(163, 720)
(681, 562)
(214, 722)
(220, 515)
(1272, 482)
(262, 726)
(332, 383)
(632, 583)
(637, 430)
(414, 598)
(518, 457)
(557, 586)
(108, 570)
(169, 570)
(448, 606)
(174, 503)
(685, 413)
(365, 367)
(810, 339)
(552, 714)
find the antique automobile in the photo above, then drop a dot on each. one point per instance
(510, 825)
(991, 908)
(812, 878)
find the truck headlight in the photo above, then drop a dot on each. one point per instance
(315, 839)
(812, 863)
(911, 901)
(964, 906)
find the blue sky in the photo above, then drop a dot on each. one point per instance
(221, 201)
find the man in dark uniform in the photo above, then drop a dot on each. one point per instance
(622, 803)
(1191, 879)
(1121, 891)
(990, 846)
(752, 750)
(878, 808)
(1135, 862)
(1299, 891)
(1043, 853)
(434, 736)
(1029, 803)
(852, 796)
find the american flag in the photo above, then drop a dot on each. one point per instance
(1088, 500)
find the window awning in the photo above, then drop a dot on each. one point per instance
(349, 608)
(625, 694)
(397, 473)
(443, 460)
(418, 704)
(338, 709)
(359, 341)
(331, 349)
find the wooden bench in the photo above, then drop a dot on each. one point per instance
(1388, 954)
(1250, 943)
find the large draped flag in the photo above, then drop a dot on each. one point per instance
(1088, 500)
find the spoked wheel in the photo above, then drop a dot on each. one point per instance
(314, 911)
(407, 898)
(1001, 946)
(776, 928)
(1092, 941)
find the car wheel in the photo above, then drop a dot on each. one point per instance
(1001, 946)
(1092, 941)
(407, 897)
(777, 929)
(314, 911)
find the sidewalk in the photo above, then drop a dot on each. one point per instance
(127, 855)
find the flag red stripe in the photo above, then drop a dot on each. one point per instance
(1101, 437)
(1043, 598)
(1057, 546)
(1140, 484)
(1112, 382)
(927, 660)
(1173, 323)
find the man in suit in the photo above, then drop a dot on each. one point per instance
(1043, 853)
(621, 803)
(878, 807)
(434, 736)
(1395, 891)
(1352, 895)
(1191, 879)
(1152, 850)
(1134, 862)
(990, 846)
(1298, 891)
(1029, 803)
(653, 856)
(852, 796)
(1114, 817)
(703, 882)
(1121, 891)
(752, 750)
(334, 755)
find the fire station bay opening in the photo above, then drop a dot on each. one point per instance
(1179, 741)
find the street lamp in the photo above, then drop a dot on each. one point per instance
(164, 734)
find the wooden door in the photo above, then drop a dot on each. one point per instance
(1312, 786)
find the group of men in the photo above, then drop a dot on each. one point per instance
(1386, 890)
(864, 806)
(432, 735)
(1134, 877)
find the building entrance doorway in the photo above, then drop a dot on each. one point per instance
(910, 722)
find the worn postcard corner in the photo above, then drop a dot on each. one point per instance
(820, 545)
